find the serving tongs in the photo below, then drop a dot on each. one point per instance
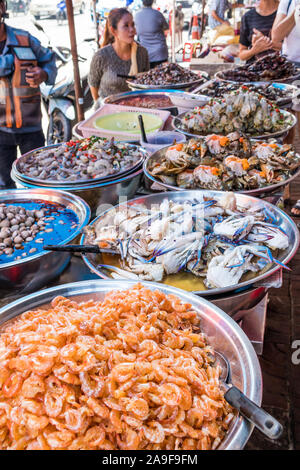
(259, 417)
(80, 249)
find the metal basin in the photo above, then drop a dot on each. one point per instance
(222, 332)
(283, 221)
(156, 157)
(98, 196)
(33, 272)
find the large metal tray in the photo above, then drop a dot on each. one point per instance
(177, 125)
(251, 192)
(283, 221)
(293, 90)
(79, 182)
(179, 98)
(175, 86)
(222, 332)
(38, 269)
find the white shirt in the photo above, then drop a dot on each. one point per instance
(290, 46)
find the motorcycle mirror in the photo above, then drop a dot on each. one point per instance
(38, 26)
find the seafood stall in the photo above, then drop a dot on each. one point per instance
(157, 267)
(233, 162)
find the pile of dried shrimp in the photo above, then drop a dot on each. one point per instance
(130, 372)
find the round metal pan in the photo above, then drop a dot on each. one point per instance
(79, 182)
(179, 98)
(222, 332)
(155, 157)
(293, 90)
(218, 75)
(177, 125)
(283, 221)
(97, 195)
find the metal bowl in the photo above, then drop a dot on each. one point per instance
(283, 221)
(293, 90)
(101, 194)
(251, 192)
(223, 334)
(177, 125)
(79, 182)
(34, 271)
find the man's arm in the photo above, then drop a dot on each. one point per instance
(282, 26)
(261, 44)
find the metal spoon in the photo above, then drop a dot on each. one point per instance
(80, 249)
(259, 417)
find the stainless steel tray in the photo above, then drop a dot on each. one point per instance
(179, 98)
(36, 270)
(283, 221)
(98, 195)
(223, 334)
(251, 192)
(177, 125)
(65, 184)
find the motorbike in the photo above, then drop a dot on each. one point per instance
(61, 12)
(59, 100)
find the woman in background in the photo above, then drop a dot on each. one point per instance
(119, 55)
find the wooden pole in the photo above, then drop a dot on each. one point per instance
(77, 83)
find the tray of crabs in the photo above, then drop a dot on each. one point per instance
(229, 163)
(208, 242)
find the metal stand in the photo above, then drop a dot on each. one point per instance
(253, 322)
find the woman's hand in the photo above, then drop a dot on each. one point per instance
(256, 35)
